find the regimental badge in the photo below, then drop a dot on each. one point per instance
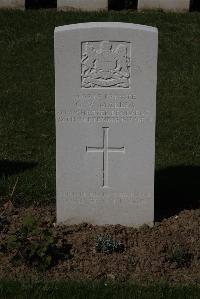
(105, 64)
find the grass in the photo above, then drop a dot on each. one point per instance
(27, 130)
(80, 290)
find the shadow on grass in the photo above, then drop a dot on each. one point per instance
(176, 188)
(8, 168)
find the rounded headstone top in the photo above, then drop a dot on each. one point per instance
(106, 25)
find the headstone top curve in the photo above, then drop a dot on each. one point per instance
(106, 25)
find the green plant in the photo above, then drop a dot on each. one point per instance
(36, 246)
(179, 255)
(107, 244)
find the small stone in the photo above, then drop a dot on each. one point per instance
(8, 206)
(111, 276)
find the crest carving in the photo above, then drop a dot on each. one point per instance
(105, 64)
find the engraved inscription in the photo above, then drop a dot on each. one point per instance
(105, 150)
(116, 197)
(105, 64)
(107, 108)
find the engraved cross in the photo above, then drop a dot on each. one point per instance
(105, 149)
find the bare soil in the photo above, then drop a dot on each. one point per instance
(169, 251)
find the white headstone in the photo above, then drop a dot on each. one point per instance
(106, 77)
(18, 4)
(171, 5)
(90, 5)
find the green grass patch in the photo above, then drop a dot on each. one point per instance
(27, 126)
(89, 290)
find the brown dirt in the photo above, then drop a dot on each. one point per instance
(146, 257)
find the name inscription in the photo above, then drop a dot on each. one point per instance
(105, 108)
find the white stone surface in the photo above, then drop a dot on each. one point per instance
(89, 5)
(106, 77)
(171, 5)
(19, 4)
